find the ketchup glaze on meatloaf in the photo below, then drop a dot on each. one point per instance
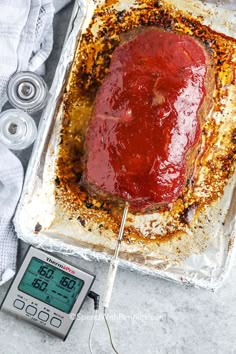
(145, 129)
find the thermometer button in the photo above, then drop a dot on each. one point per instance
(31, 310)
(55, 322)
(19, 304)
(43, 316)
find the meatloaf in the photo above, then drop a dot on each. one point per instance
(145, 130)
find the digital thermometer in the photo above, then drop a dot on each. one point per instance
(47, 292)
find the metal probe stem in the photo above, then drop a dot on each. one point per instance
(121, 231)
(114, 261)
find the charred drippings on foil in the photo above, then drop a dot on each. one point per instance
(38, 228)
(90, 67)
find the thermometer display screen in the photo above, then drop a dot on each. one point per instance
(50, 285)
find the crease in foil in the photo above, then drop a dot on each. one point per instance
(206, 269)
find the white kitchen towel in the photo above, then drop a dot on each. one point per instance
(11, 179)
(25, 37)
(26, 40)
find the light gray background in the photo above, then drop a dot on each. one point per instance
(147, 315)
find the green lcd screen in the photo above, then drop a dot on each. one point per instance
(50, 285)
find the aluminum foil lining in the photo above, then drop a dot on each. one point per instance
(207, 268)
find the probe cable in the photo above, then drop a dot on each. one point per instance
(109, 331)
(96, 299)
(91, 333)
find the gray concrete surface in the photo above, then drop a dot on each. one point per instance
(147, 315)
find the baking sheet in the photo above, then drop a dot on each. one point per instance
(39, 221)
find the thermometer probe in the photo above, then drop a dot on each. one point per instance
(114, 261)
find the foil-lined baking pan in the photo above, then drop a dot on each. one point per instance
(56, 215)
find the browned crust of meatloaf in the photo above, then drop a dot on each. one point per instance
(195, 153)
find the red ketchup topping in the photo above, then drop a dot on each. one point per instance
(145, 119)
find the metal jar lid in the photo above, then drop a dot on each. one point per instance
(27, 91)
(17, 129)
